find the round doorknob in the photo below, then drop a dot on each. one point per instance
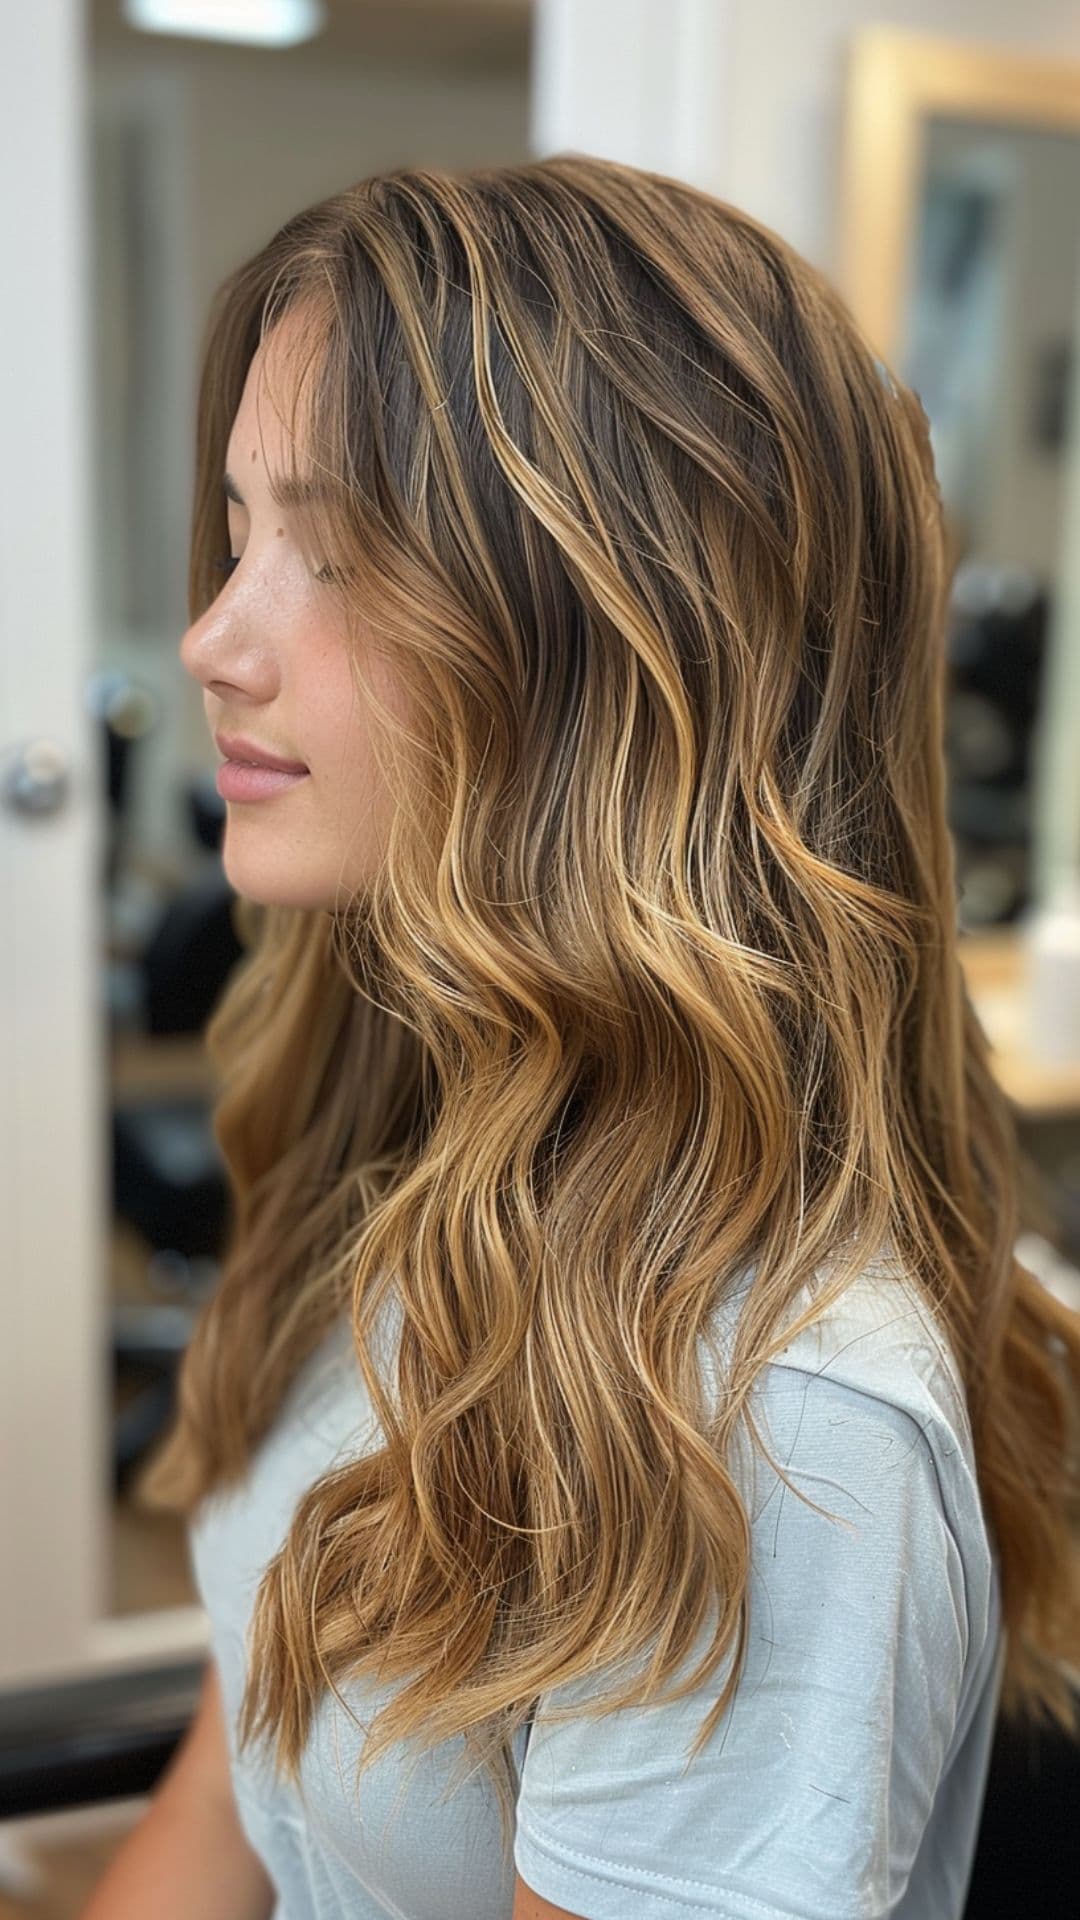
(36, 778)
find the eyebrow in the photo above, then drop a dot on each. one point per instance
(287, 493)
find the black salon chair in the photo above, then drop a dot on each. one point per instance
(168, 1179)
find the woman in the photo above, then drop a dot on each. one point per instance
(620, 1313)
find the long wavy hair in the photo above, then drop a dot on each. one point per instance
(657, 981)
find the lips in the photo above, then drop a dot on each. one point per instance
(235, 781)
(247, 753)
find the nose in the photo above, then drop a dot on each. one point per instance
(190, 656)
(221, 655)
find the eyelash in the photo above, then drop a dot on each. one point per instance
(231, 561)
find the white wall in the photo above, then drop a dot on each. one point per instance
(778, 148)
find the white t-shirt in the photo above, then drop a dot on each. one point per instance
(845, 1780)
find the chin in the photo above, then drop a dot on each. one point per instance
(273, 886)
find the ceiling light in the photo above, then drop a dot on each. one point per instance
(262, 23)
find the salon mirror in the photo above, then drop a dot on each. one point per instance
(958, 250)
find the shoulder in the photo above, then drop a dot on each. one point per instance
(870, 1630)
(880, 1340)
(864, 1411)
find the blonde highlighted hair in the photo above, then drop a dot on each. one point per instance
(657, 982)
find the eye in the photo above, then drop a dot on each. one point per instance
(232, 560)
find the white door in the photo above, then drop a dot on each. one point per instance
(55, 1416)
(50, 1227)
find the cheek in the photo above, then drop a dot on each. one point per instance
(331, 707)
(342, 755)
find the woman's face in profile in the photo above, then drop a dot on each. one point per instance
(270, 654)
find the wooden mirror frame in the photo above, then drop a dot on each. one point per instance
(894, 81)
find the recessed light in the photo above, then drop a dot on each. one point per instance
(261, 23)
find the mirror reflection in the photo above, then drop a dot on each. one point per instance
(200, 151)
(988, 338)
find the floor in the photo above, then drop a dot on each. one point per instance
(49, 1867)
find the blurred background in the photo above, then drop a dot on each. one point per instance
(927, 156)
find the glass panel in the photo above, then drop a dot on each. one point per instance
(988, 341)
(200, 151)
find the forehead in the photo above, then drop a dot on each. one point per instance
(269, 424)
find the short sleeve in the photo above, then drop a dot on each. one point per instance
(812, 1795)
